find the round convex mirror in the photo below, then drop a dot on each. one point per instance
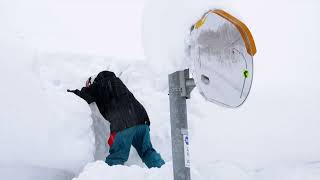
(221, 50)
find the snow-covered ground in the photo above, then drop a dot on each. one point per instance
(49, 46)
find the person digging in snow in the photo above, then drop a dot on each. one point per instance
(129, 121)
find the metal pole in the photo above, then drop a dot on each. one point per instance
(180, 87)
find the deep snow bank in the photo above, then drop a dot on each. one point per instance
(39, 125)
(34, 142)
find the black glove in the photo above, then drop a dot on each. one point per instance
(76, 91)
(83, 94)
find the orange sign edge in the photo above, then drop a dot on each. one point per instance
(243, 29)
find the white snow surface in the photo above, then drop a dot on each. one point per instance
(49, 46)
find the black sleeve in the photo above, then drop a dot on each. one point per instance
(88, 94)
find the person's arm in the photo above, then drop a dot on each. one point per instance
(86, 93)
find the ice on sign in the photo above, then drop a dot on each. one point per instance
(221, 50)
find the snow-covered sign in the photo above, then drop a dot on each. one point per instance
(221, 50)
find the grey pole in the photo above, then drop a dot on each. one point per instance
(180, 87)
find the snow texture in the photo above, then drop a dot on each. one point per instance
(49, 46)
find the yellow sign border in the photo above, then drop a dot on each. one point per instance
(242, 28)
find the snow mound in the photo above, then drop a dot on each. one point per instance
(218, 170)
(99, 170)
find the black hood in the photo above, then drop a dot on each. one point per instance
(104, 75)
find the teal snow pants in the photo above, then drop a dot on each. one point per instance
(139, 137)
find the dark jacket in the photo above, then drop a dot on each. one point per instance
(115, 102)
